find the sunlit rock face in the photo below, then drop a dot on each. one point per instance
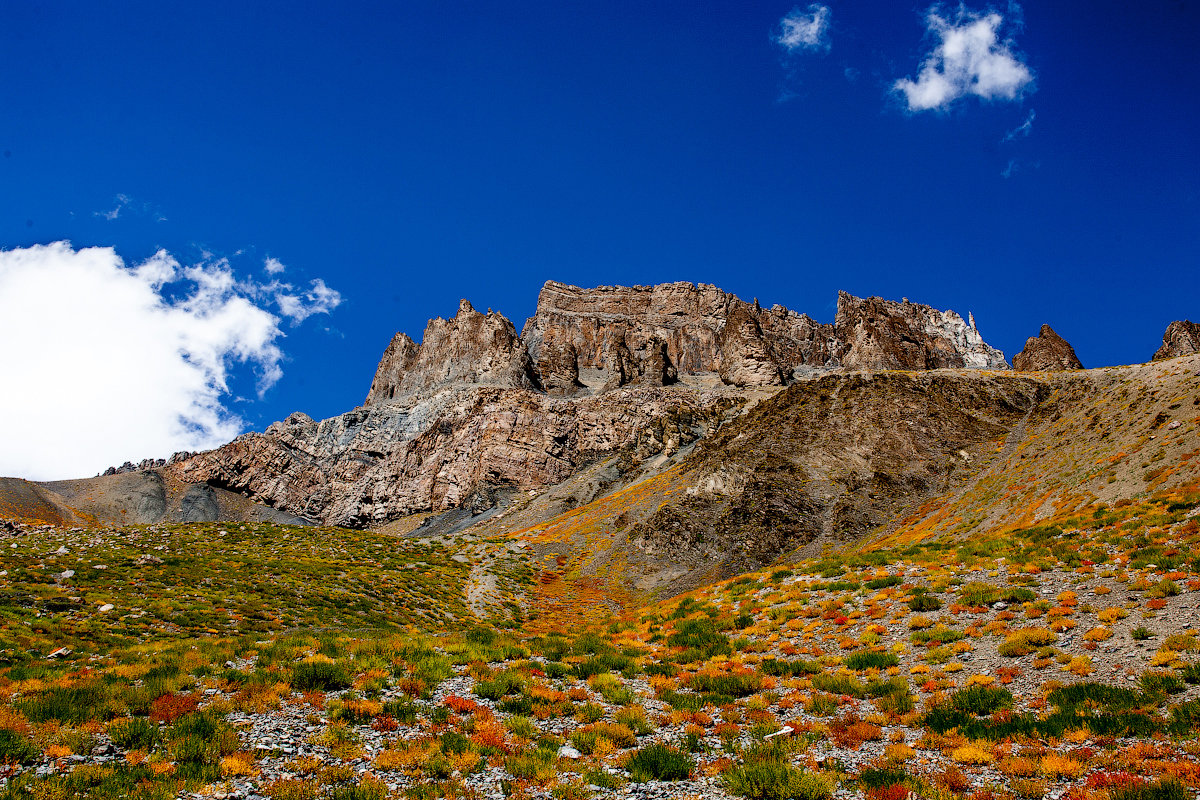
(1182, 338)
(1046, 352)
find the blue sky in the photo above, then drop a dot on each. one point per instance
(407, 155)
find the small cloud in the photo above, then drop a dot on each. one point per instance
(1009, 169)
(969, 59)
(851, 74)
(126, 206)
(319, 299)
(805, 30)
(122, 202)
(1022, 130)
(273, 266)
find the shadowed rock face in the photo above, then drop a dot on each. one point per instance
(1047, 351)
(1182, 338)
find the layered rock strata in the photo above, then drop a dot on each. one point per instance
(1046, 352)
(384, 461)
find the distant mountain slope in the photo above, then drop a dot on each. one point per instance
(129, 498)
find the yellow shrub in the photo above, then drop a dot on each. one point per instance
(1110, 615)
(1164, 658)
(240, 763)
(1026, 640)
(1098, 634)
(980, 680)
(971, 754)
(1057, 766)
(1081, 666)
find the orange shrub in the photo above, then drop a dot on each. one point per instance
(171, 707)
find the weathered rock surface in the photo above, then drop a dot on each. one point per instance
(706, 330)
(1182, 338)
(874, 333)
(388, 460)
(470, 348)
(1046, 352)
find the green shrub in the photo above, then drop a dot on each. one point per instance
(504, 683)
(1158, 685)
(883, 583)
(1141, 633)
(15, 748)
(922, 601)
(981, 701)
(700, 635)
(939, 634)
(789, 669)
(733, 685)
(135, 733)
(403, 711)
(984, 594)
(319, 675)
(871, 659)
(839, 684)
(73, 704)
(767, 774)
(881, 777)
(681, 701)
(659, 762)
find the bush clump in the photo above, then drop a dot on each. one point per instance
(659, 762)
(1025, 641)
(700, 636)
(767, 774)
(320, 675)
(871, 659)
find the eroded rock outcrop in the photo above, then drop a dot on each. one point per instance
(1182, 338)
(469, 348)
(874, 333)
(706, 330)
(1046, 352)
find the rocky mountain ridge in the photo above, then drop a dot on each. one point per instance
(475, 407)
(586, 341)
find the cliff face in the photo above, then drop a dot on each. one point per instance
(388, 460)
(581, 338)
(474, 406)
(1047, 351)
(1182, 338)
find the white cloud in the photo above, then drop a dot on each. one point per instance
(104, 363)
(113, 213)
(318, 299)
(1022, 130)
(969, 59)
(273, 266)
(805, 30)
(126, 205)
